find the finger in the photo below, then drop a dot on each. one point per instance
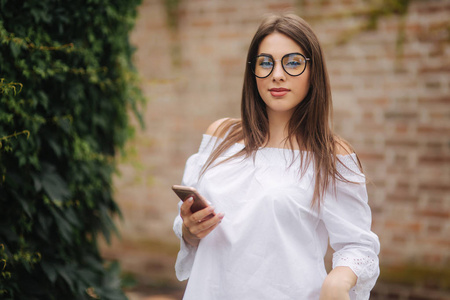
(208, 229)
(200, 215)
(205, 227)
(185, 209)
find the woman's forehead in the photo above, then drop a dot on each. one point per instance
(277, 45)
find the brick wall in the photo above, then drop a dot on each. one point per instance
(391, 93)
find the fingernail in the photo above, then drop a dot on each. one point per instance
(221, 215)
(190, 199)
(211, 208)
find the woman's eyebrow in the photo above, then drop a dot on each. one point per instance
(267, 54)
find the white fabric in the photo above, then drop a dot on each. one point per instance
(271, 243)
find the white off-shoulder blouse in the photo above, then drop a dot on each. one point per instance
(271, 243)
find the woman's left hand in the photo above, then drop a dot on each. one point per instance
(337, 284)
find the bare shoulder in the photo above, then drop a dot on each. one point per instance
(342, 146)
(215, 125)
(219, 128)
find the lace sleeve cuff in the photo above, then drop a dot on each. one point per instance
(364, 264)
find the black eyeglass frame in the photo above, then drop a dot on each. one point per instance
(252, 64)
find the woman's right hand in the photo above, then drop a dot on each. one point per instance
(195, 226)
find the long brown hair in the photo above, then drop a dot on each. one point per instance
(310, 124)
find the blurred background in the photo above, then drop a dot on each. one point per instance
(389, 66)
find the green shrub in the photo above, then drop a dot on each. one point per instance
(66, 86)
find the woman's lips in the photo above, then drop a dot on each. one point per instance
(278, 92)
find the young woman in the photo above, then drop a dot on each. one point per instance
(281, 185)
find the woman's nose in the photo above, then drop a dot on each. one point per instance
(278, 73)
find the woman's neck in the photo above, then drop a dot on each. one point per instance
(278, 128)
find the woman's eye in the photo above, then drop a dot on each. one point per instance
(266, 64)
(293, 64)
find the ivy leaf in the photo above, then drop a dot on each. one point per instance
(44, 223)
(87, 276)
(23, 203)
(15, 49)
(71, 216)
(64, 123)
(55, 187)
(37, 182)
(64, 228)
(43, 99)
(55, 146)
(50, 270)
(63, 272)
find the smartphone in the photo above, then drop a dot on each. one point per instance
(185, 192)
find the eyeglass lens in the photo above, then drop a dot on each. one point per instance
(293, 64)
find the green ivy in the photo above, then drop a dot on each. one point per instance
(386, 8)
(66, 86)
(171, 7)
(377, 10)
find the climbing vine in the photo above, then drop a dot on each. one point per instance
(171, 7)
(67, 85)
(376, 11)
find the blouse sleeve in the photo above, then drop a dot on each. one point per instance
(348, 219)
(186, 255)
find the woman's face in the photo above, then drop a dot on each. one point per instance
(280, 91)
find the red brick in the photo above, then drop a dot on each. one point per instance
(226, 62)
(434, 159)
(402, 226)
(280, 6)
(365, 156)
(400, 115)
(439, 115)
(401, 128)
(232, 35)
(434, 214)
(373, 101)
(438, 187)
(202, 23)
(434, 229)
(433, 259)
(402, 198)
(433, 130)
(434, 100)
(226, 10)
(402, 142)
(433, 8)
(435, 69)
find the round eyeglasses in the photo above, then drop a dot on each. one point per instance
(293, 64)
